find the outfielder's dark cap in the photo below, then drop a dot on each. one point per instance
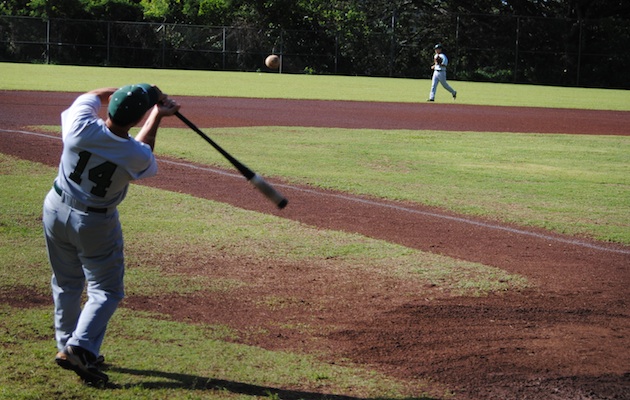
(438, 46)
(129, 103)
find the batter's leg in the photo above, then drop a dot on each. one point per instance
(68, 281)
(101, 252)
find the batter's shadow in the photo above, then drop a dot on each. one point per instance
(185, 381)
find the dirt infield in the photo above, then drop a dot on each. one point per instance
(567, 338)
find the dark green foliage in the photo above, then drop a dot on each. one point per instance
(566, 42)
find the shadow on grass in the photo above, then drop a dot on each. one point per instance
(184, 381)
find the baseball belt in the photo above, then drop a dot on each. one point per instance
(72, 202)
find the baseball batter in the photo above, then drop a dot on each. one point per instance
(81, 226)
(440, 61)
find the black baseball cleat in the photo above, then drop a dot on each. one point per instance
(83, 363)
(100, 360)
(430, 100)
(454, 95)
(62, 360)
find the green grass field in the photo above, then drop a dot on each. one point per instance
(325, 87)
(578, 185)
(173, 229)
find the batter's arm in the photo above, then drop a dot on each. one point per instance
(103, 93)
(164, 108)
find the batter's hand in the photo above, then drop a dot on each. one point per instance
(167, 107)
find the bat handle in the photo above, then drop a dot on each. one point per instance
(271, 193)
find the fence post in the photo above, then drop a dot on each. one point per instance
(336, 51)
(109, 33)
(579, 60)
(516, 44)
(48, 41)
(161, 30)
(392, 44)
(281, 50)
(456, 45)
(224, 47)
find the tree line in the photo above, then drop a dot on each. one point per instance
(482, 33)
(303, 14)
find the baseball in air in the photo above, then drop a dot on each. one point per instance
(272, 61)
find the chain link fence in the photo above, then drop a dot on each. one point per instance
(480, 47)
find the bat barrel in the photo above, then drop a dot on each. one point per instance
(268, 190)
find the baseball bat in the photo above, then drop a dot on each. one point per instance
(265, 188)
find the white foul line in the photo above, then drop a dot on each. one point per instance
(523, 232)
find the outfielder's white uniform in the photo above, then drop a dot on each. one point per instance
(439, 75)
(83, 233)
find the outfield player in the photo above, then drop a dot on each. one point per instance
(440, 61)
(83, 234)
